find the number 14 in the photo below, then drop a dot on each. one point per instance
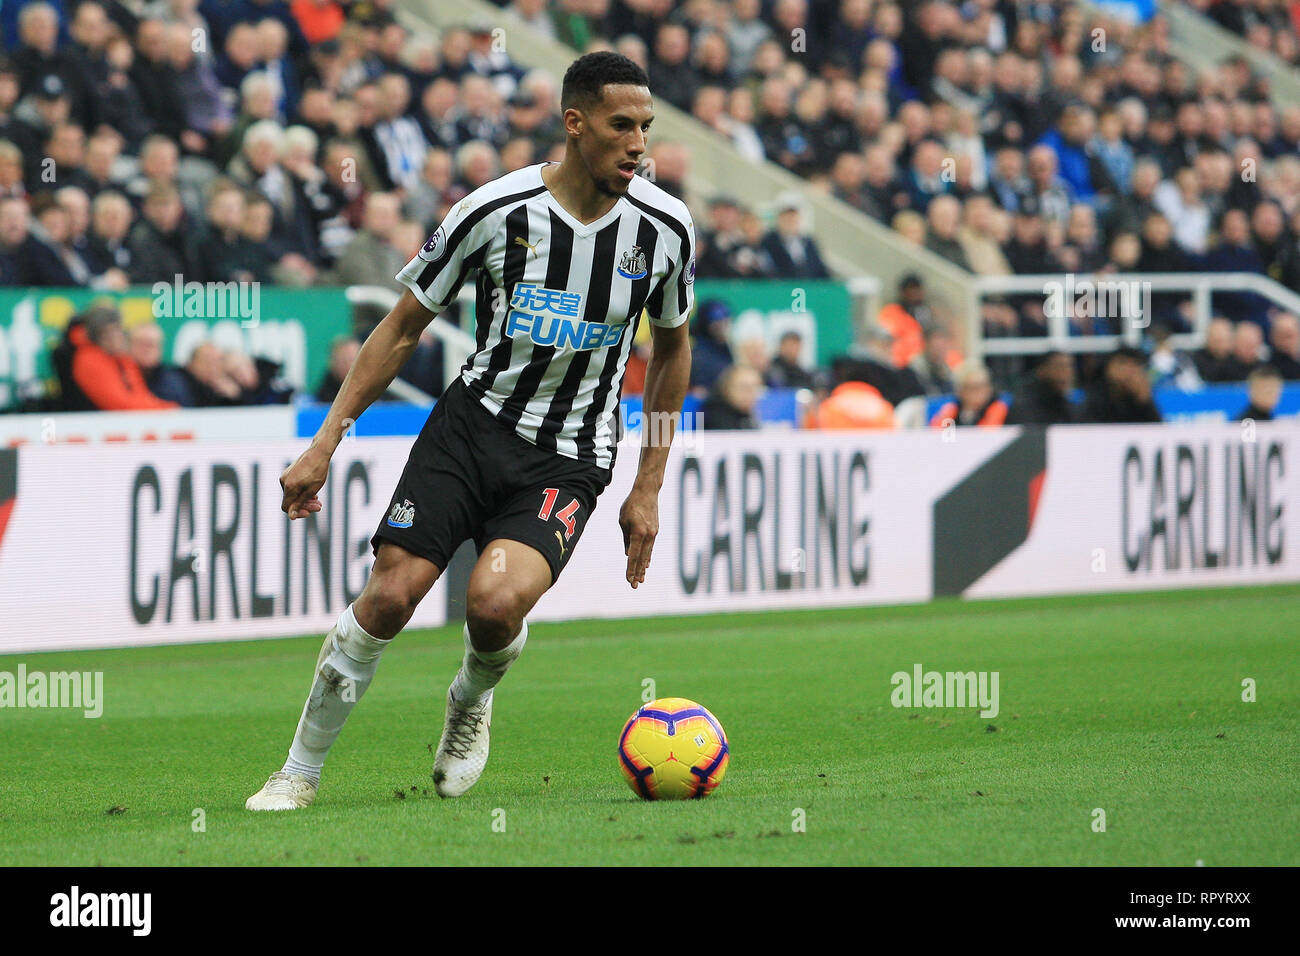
(565, 514)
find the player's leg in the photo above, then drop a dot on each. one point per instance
(507, 581)
(347, 663)
(437, 505)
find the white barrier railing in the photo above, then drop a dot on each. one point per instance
(456, 343)
(1118, 287)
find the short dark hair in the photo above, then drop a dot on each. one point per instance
(590, 73)
(1264, 373)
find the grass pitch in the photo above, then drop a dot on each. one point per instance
(1131, 704)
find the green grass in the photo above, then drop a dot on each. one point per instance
(1129, 703)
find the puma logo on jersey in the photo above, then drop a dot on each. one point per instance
(560, 538)
(521, 241)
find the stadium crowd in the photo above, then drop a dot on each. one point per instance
(1269, 25)
(318, 141)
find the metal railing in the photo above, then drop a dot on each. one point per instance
(1118, 289)
(456, 344)
(459, 341)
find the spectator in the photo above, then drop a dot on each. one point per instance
(343, 353)
(931, 364)
(1215, 361)
(158, 245)
(107, 248)
(983, 230)
(977, 403)
(1053, 194)
(710, 353)
(1121, 393)
(1278, 247)
(1183, 204)
(754, 354)
(210, 383)
(1079, 167)
(102, 367)
(208, 115)
(258, 379)
(103, 152)
(399, 137)
(1284, 355)
(944, 216)
(671, 74)
(1045, 398)
(54, 261)
(1247, 348)
(734, 400)
(156, 80)
(875, 366)
(786, 369)
(1169, 367)
(221, 254)
(906, 319)
(1235, 253)
(30, 260)
(37, 58)
(1264, 391)
(166, 381)
(718, 242)
(371, 258)
(793, 254)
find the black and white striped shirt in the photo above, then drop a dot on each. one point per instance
(558, 302)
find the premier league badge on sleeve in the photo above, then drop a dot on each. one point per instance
(632, 265)
(433, 249)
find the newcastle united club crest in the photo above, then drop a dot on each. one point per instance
(632, 265)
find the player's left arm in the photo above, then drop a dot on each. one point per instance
(667, 376)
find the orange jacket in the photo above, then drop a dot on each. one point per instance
(908, 338)
(318, 23)
(113, 383)
(853, 405)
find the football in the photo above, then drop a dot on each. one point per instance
(673, 749)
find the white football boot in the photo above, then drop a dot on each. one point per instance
(283, 791)
(463, 750)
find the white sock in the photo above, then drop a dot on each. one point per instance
(344, 670)
(480, 671)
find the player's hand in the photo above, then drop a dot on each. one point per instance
(639, 519)
(301, 481)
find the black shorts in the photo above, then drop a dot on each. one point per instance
(469, 477)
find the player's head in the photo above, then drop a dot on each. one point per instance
(607, 116)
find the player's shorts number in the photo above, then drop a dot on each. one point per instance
(565, 514)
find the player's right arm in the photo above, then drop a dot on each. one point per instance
(432, 277)
(384, 353)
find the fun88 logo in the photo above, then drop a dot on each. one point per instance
(550, 317)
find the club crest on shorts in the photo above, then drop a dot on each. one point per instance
(402, 515)
(632, 265)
